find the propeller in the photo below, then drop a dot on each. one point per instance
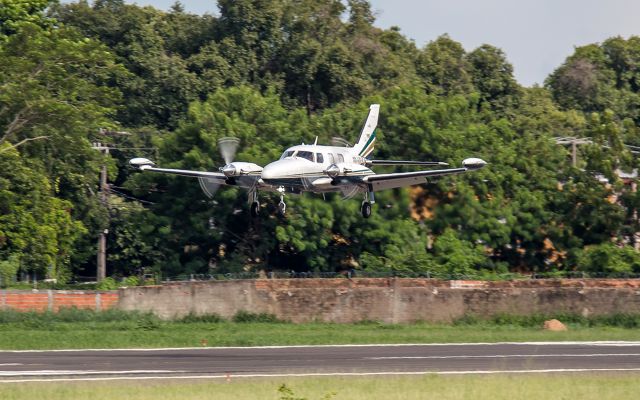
(228, 146)
(339, 142)
(349, 192)
(208, 186)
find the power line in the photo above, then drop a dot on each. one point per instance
(126, 196)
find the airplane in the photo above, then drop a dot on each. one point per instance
(314, 168)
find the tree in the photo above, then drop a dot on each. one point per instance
(444, 67)
(55, 90)
(583, 81)
(37, 229)
(52, 81)
(14, 14)
(159, 86)
(492, 76)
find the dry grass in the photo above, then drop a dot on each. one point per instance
(477, 387)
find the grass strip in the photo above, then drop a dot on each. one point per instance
(79, 329)
(477, 387)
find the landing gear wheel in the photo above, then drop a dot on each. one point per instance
(255, 209)
(282, 208)
(366, 209)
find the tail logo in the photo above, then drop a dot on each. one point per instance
(368, 147)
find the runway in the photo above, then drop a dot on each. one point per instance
(237, 362)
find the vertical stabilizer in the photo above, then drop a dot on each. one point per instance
(367, 140)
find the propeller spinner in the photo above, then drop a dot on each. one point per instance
(228, 146)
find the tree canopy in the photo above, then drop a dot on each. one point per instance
(168, 84)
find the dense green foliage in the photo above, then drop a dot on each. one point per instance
(277, 72)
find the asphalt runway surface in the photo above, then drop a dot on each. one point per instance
(228, 363)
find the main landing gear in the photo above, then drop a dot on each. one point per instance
(365, 209)
(282, 207)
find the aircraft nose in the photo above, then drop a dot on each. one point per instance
(272, 171)
(280, 169)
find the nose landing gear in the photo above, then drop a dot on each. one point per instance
(282, 207)
(255, 204)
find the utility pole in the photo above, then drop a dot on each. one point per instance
(101, 272)
(574, 142)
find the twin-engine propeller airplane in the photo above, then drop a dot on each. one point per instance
(314, 168)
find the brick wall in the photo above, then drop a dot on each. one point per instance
(53, 300)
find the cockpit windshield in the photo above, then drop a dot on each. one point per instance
(286, 154)
(305, 154)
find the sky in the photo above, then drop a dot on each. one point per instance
(536, 35)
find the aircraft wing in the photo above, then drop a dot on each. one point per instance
(209, 180)
(217, 176)
(401, 179)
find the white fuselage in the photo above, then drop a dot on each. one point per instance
(304, 168)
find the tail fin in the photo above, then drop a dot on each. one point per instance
(365, 144)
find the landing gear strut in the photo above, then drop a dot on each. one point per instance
(255, 209)
(365, 209)
(255, 205)
(282, 207)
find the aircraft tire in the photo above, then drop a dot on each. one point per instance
(255, 209)
(366, 209)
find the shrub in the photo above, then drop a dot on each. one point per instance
(131, 281)
(204, 318)
(607, 257)
(9, 269)
(246, 316)
(107, 284)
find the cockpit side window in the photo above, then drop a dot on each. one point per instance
(306, 155)
(319, 158)
(286, 154)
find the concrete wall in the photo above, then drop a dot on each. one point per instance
(53, 300)
(387, 300)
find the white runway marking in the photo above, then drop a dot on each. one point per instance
(10, 364)
(55, 372)
(597, 343)
(329, 374)
(501, 356)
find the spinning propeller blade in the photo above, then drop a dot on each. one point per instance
(228, 147)
(208, 186)
(339, 142)
(349, 191)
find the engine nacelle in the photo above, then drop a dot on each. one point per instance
(141, 163)
(473, 163)
(334, 170)
(240, 168)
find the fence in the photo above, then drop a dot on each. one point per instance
(392, 274)
(88, 283)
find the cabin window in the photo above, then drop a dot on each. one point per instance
(286, 154)
(331, 159)
(340, 158)
(319, 158)
(307, 155)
